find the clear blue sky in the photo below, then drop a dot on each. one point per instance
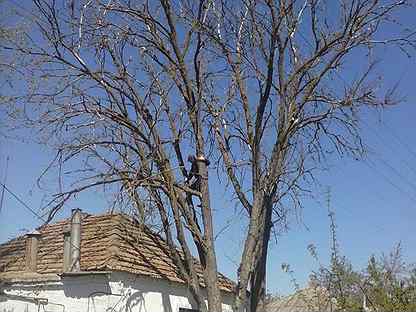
(374, 200)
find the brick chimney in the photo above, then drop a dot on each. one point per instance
(32, 241)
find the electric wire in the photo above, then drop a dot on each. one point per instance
(399, 140)
(33, 212)
(390, 146)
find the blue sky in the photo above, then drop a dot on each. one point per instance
(374, 200)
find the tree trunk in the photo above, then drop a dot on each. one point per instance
(247, 259)
(210, 269)
(258, 279)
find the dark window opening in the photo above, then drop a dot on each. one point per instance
(187, 310)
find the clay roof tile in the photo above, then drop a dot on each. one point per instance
(111, 242)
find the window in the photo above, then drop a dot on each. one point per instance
(187, 310)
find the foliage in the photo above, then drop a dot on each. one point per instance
(389, 283)
(386, 284)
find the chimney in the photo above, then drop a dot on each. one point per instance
(67, 247)
(75, 240)
(32, 240)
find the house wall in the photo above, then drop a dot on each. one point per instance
(121, 292)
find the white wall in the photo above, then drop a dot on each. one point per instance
(121, 292)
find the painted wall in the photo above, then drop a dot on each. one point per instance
(121, 292)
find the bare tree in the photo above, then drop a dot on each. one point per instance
(126, 90)
(7, 33)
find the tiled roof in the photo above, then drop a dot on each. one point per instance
(108, 243)
(311, 299)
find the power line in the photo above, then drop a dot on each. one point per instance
(27, 207)
(22, 202)
(402, 178)
(390, 146)
(398, 139)
(373, 167)
(397, 172)
(4, 181)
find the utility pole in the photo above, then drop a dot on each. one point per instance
(4, 183)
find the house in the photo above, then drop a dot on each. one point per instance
(310, 299)
(94, 263)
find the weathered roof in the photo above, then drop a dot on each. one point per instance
(108, 243)
(311, 299)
